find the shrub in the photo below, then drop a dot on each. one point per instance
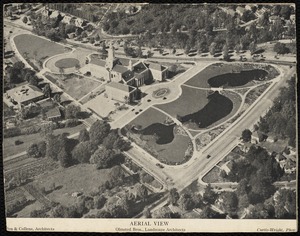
(18, 142)
(11, 132)
(72, 123)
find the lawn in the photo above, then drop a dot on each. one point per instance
(80, 178)
(67, 63)
(197, 109)
(9, 147)
(37, 48)
(173, 151)
(75, 85)
(190, 101)
(201, 79)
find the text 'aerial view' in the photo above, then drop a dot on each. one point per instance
(150, 113)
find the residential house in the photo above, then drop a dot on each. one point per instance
(293, 18)
(24, 95)
(53, 114)
(240, 10)
(245, 147)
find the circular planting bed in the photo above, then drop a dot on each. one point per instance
(162, 92)
(67, 63)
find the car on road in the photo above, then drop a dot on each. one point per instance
(208, 156)
(137, 113)
(133, 109)
(141, 109)
(159, 165)
(149, 100)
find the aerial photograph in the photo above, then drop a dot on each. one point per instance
(150, 111)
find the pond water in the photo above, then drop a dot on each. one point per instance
(236, 79)
(218, 107)
(164, 133)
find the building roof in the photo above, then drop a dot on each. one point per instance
(128, 75)
(139, 67)
(156, 66)
(120, 69)
(98, 62)
(25, 93)
(122, 87)
(240, 9)
(54, 112)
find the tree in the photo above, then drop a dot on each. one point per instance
(47, 91)
(33, 151)
(55, 144)
(116, 175)
(83, 135)
(212, 48)
(248, 16)
(185, 202)
(209, 195)
(163, 212)
(99, 201)
(104, 158)
(82, 152)
(63, 158)
(229, 202)
(252, 48)
(142, 191)
(72, 111)
(280, 48)
(173, 196)
(25, 19)
(33, 81)
(246, 135)
(61, 71)
(147, 213)
(225, 53)
(57, 98)
(98, 131)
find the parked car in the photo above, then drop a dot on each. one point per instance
(208, 156)
(159, 165)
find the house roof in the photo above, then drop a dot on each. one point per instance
(122, 87)
(240, 9)
(54, 112)
(25, 93)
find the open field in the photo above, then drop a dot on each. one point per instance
(80, 178)
(75, 85)
(9, 147)
(37, 48)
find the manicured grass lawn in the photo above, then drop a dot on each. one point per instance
(149, 117)
(190, 101)
(67, 63)
(193, 105)
(80, 178)
(9, 147)
(173, 151)
(200, 80)
(44, 49)
(74, 85)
